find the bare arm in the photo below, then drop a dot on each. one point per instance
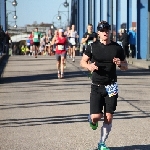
(53, 41)
(123, 65)
(84, 39)
(94, 39)
(84, 63)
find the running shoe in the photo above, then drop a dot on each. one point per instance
(62, 76)
(59, 76)
(92, 125)
(102, 146)
(73, 60)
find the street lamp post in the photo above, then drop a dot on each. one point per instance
(66, 4)
(14, 3)
(59, 16)
(15, 17)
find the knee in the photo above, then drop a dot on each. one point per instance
(62, 60)
(108, 118)
(96, 117)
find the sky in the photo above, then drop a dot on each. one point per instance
(29, 11)
(45, 11)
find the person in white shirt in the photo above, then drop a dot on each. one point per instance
(73, 37)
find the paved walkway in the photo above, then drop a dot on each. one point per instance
(40, 112)
(141, 63)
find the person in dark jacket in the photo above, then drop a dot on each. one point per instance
(132, 41)
(2, 36)
(125, 43)
(6, 43)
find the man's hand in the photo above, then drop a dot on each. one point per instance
(121, 64)
(94, 39)
(117, 61)
(92, 67)
(87, 37)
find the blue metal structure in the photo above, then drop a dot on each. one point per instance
(85, 16)
(142, 29)
(3, 14)
(129, 14)
(118, 15)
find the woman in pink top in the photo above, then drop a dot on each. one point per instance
(61, 43)
(31, 42)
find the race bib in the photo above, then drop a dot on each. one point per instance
(72, 41)
(36, 36)
(90, 41)
(112, 89)
(61, 47)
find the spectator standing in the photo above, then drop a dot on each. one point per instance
(6, 43)
(2, 35)
(125, 42)
(132, 41)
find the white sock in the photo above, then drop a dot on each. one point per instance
(105, 129)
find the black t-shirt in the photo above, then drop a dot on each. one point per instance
(6, 39)
(91, 36)
(2, 35)
(103, 56)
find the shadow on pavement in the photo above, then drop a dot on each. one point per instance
(132, 147)
(3, 64)
(49, 76)
(61, 119)
(134, 72)
(41, 104)
(44, 120)
(32, 59)
(133, 103)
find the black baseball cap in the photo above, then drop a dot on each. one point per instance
(103, 25)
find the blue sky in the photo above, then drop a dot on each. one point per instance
(46, 11)
(29, 11)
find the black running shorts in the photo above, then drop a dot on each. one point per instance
(36, 44)
(99, 100)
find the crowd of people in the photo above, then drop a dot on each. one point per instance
(41, 44)
(100, 56)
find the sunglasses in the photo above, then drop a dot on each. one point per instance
(104, 30)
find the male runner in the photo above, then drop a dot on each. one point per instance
(88, 38)
(105, 55)
(36, 40)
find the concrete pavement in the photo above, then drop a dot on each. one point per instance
(139, 63)
(40, 112)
